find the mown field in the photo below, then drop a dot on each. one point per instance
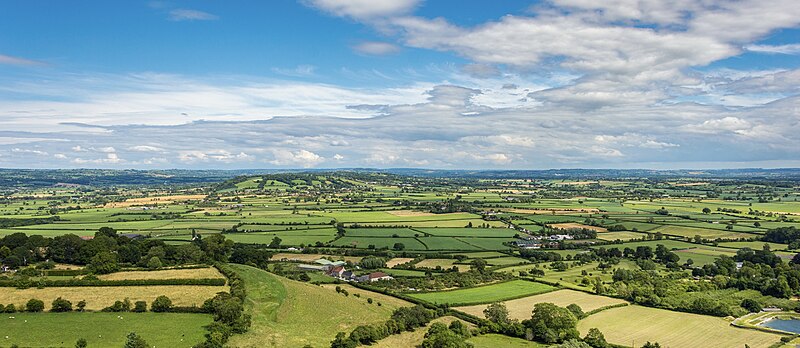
(99, 297)
(634, 325)
(522, 308)
(102, 329)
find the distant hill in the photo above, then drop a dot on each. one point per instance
(109, 177)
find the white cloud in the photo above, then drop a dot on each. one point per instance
(223, 156)
(110, 158)
(364, 9)
(145, 148)
(303, 70)
(725, 124)
(183, 14)
(32, 151)
(11, 60)
(376, 48)
(775, 49)
(303, 158)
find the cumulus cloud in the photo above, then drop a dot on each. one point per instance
(302, 158)
(145, 148)
(574, 83)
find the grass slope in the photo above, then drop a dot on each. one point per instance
(294, 314)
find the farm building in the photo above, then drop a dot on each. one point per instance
(374, 277)
(336, 272)
(330, 263)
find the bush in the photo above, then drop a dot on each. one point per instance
(61, 305)
(10, 309)
(34, 305)
(119, 306)
(154, 263)
(81, 305)
(140, 306)
(81, 343)
(161, 304)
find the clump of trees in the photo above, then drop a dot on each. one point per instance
(403, 319)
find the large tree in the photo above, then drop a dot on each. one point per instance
(552, 324)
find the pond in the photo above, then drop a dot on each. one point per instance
(789, 325)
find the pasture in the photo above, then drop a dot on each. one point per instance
(495, 341)
(484, 294)
(176, 330)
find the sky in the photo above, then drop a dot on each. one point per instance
(449, 84)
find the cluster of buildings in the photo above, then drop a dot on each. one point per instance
(337, 270)
(545, 242)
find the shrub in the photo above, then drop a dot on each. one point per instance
(140, 306)
(81, 305)
(161, 304)
(119, 306)
(10, 309)
(81, 343)
(34, 305)
(135, 341)
(154, 263)
(61, 305)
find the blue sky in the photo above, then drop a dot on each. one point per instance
(400, 83)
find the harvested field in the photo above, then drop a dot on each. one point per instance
(404, 213)
(398, 261)
(521, 309)
(569, 225)
(161, 200)
(99, 297)
(196, 273)
(672, 329)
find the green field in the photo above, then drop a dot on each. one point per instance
(484, 294)
(103, 329)
(496, 341)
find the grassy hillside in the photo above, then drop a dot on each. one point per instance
(287, 313)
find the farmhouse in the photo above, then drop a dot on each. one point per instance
(336, 272)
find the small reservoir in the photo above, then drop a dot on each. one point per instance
(788, 325)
